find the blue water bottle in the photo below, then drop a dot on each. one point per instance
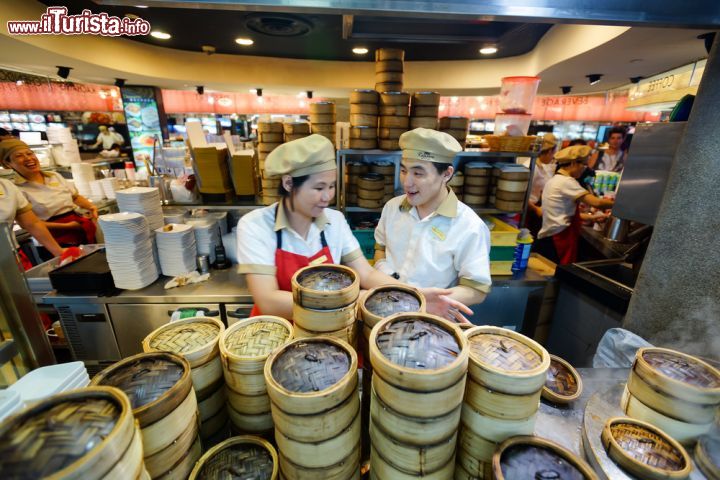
(522, 250)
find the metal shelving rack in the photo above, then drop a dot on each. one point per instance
(460, 160)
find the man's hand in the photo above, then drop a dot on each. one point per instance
(438, 303)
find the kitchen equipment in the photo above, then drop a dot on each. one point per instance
(88, 274)
(616, 229)
(563, 383)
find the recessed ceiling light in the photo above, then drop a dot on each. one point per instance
(360, 50)
(594, 78)
(160, 35)
(488, 50)
(252, 90)
(141, 6)
(244, 41)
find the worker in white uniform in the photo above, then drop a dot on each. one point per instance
(276, 241)
(106, 138)
(427, 237)
(544, 171)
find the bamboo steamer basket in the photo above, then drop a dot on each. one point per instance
(393, 110)
(347, 468)
(419, 404)
(383, 168)
(361, 202)
(382, 469)
(423, 122)
(371, 194)
(291, 137)
(707, 457)
(454, 123)
(678, 375)
(411, 458)
(475, 190)
(683, 432)
(413, 430)
(510, 196)
(132, 464)
(418, 352)
(459, 135)
(363, 120)
(477, 181)
(270, 199)
(270, 127)
(462, 474)
(385, 54)
(215, 424)
(356, 168)
(248, 404)
(271, 137)
(475, 467)
(91, 441)
(363, 109)
(212, 404)
(320, 454)
(556, 458)
(493, 428)
(389, 77)
(348, 334)
(295, 128)
(425, 111)
(254, 423)
(389, 66)
(182, 469)
(351, 197)
(161, 462)
(644, 450)
(296, 367)
(506, 361)
(562, 383)
(471, 199)
(426, 99)
(507, 206)
(363, 133)
(394, 98)
(323, 128)
(364, 96)
(385, 300)
(501, 405)
(458, 191)
(322, 118)
(322, 108)
(206, 378)
(389, 87)
(394, 122)
(477, 169)
(512, 185)
(389, 189)
(194, 338)
(328, 296)
(474, 444)
(324, 320)
(270, 183)
(390, 133)
(238, 457)
(268, 147)
(371, 181)
(244, 348)
(363, 144)
(457, 180)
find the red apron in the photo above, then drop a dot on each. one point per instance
(84, 235)
(567, 242)
(287, 263)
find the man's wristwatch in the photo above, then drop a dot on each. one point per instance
(396, 276)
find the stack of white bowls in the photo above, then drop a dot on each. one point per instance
(46, 381)
(97, 193)
(110, 185)
(82, 174)
(129, 249)
(176, 249)
(143, 200)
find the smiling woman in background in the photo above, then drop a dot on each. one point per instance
(53, 200)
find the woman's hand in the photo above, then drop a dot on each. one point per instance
(438, 303)
(93, 212)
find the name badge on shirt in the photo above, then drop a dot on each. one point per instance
(438, 233)
(319, 260)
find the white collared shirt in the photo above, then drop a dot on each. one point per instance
(54, 197)
(541, 175)
(559, 203)
(436, 251)
(257, 242)
(12, 202)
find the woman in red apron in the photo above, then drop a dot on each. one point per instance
(276, 241)
(559, 236)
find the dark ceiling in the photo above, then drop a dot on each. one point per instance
(320, 37)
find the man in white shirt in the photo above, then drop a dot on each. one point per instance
(428, 238)
(613, 158)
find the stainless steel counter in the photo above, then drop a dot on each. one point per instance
(607, 248)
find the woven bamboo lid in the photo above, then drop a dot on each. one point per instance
(325, 279)
(503, 352)
(644, 450)
(525, 457)
(194, 338)
(680, 367)
(255, 337)
(238, 458)
(563, 383)
(416, 343)
(311, 366)
(80, 434)
(387, 300)
(155, 383)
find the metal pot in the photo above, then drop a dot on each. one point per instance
(617, 229)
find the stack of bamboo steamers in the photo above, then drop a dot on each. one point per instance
(505, 379)
(394, 120)
(270, 136)
(456, 127)
(363, 119)
(322, 119)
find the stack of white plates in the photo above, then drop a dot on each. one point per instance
(46, 381)
(143, 200)
(83, 174)
(206, 237)
(176, 249)
(110, 185)
(129, 249)
(96, 191)
(10, 403)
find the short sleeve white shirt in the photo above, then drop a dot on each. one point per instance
(541, 175)
(257, 239)
(441, 250)
(559, 203)
(51, 198)
(12, 201)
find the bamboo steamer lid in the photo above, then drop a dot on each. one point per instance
(383, 469)
(363, 144)
(679, 375)
(426, 98)
(506, 361)
(644, 450)
(508, 206)
(527, 457)
(425, 111)
(322, 118)
(707, 457)
(82, 434)
(411, 458)
(364, 96)
(454, 123)
(475, 190)
(395, 98)
(383, 168)
(296, 128)
(370, 203)
(394, 122)
(423, 122)
(325, 286)
(389, 77)
(364, 133)
(510, 196)
(270, 127)
(386, 300)
(246, 344)
(393, 110)
(562, 382)
(195, 339)
(271, 137)
(391, 133)
(371, 181)
(311, 375)
(363, 108)
(268, 147)
(323, 128)
(389, 66)
(501, 405)
(477, 169)
(418, 351)
(347, 469)
(384, 54)
(242, 457)
(362, 120)
(371, 194)
(323, 320)
(322, 108)
(475, 181)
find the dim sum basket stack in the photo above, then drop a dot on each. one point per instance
(322, 119)
(270, 136)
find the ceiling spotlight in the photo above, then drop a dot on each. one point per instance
(635, 79)
(258, 91)
(120, 82)
(594, 78)
(359, 50)
(245, 42)
(200, 89)
(63, 72)
(309, 94)
(488, 50)
(566, 89)
(160, 35)
(19, 82)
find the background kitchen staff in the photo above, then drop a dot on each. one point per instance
(427, 237)
(544, 171)
(276, 241)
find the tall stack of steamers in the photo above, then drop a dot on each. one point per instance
(270, 136)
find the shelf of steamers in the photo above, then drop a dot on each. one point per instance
(460, 159)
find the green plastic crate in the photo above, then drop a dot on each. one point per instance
(366, 238)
